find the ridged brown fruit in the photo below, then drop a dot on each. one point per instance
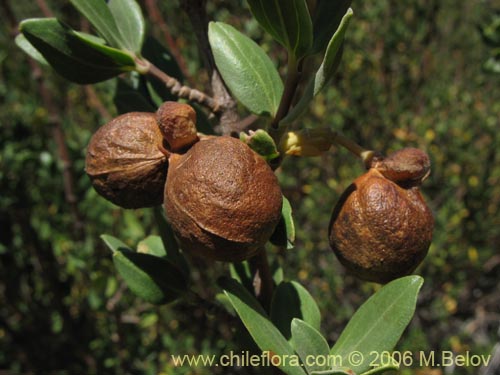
(222, 199)
(125, 163)
(381, 228)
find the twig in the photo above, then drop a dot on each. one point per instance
(179, 90)
(291, 83)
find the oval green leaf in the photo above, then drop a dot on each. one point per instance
(379, 323)
(291, 300)
(74, 56)
(154, 279)
(130, 23)
(289, 22)
(267, 337)
(100, 16)
(307, 341)
(246, 69)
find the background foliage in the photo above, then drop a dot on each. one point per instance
(411, 75)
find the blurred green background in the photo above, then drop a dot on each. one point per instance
(412, 75)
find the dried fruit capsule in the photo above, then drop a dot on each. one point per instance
(177, 122)
(125, 163)
(381, 228)
(222, 199)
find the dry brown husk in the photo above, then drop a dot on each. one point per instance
(125, 163)
(380, 230)
(222, 199)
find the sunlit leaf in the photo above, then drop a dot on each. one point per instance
(246, 69)
(379, 323)
(130, 23)
(308, 342)
(100, 16)
(267, 337)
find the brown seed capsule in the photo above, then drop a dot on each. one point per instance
(124, 161)
(381, 228)
(222, 199)
(177, 123)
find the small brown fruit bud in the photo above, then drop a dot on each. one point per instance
(409, 166)
(124, 161)
(381, 228)
(177, 123)
(222, 199)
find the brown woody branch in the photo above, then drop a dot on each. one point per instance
(179, 90)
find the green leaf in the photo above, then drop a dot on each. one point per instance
(307, 341)
(326, 70)
(284, 234)
(100, 16)
(152, 245)
(242, 273)
(291, 300)
(76, 57)
(277, 272)
(130, 23)
(28, 48)
(246, 69)
(289, 22)
(114, 243)
(267, 337)
(379, 323)
(262, 143)
(326, 20)
(153, 279)
(328, 66)
(91, 39)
